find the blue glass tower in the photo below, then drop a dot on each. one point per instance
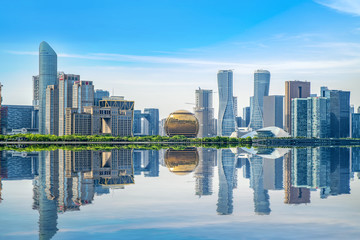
(47, 76)
(226, 120)
(261, 89)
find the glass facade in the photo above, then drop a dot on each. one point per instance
(47, 76)
(261, 89)
(226, 119)
(16, 117)
(182, 123)
(204, 112)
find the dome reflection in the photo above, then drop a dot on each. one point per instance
(182, 162)
(182, 123)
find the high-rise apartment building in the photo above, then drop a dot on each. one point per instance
(204, 112)
(294, 89)
(310, 117)
(273, 111)
(99, 95)
(47, 76)
(52, 110)
(318, 117)
(226, 120)
(299, 117)
(83, 95)
(65, 85)
(339, 112)
(261, 89)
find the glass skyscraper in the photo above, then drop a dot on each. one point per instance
(339, 112)
(261, 89)
(226, 119)
(47, 76)
(204, 112)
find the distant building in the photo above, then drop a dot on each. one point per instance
(235, 99)
(273, 111)
(146, 123)
(339, 112)
(355, 131)
(152, 116)
(294, 89)
(99, 95)
(226, 119)
(239, 122)
(204, 112)
(83, 95)
(261, 89)
(16, 117)
(246, 116)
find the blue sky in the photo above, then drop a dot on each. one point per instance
(158, 52)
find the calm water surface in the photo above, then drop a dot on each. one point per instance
(195, 193)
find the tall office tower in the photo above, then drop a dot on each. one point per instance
(273, 111)
(261, 89)
(226, 120)
(294, 89)
(355, 128)
(318, 117)
(35, 103)
(65, 84)
(239, 122)
(352, 108)
(162, 127)
(83, 95)
(235, 99)
(47, 76)
(226, 168)
(204, 112)
(293, 195)
(261, 196)
(52, 110)
(204, 172)
(246, 116)
(339, 112)
(99, 95)
(153, 120)
(299, 117)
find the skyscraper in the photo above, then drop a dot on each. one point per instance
(339, 112)
(273, 111)
(35, 103)
(66, 82)
(261, 89)
(355, 128)
(299, 117)
(47, 76)
(204, 112)
(246, 116)
(226, 119)
(294, 89)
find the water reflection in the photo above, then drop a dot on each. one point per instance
(66, 180)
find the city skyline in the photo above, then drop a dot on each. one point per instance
(323, 55)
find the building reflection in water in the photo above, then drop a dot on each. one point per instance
(205, 172)
(66, 180)
(227, 181)
(182, 162)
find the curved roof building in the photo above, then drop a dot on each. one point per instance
(182, 122)
(267, 132)
(47, 76)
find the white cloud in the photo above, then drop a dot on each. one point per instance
(346, 6)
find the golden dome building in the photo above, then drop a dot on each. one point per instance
(182, 162)
(182, 122)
